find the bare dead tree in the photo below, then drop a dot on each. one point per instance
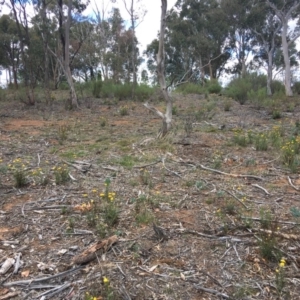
(167, 116)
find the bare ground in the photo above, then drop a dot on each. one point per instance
(223, 210)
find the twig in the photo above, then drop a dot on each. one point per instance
(9, 295)
(48, 207)
(147, 165)
(211, 291)
(260, 187)
(232, 175)
(39, 160)
(237, 254)
(275, 221)
(236, 198)
(54, 291)
(30, 281)
(292, 185)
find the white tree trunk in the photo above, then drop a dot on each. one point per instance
(67, 69)
(285, 51)
(167, 116)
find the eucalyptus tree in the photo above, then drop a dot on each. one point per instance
(287, 11)
(9, 48)
(136, 12)
(19, 10)
(241, 35)
(195, 41)
(266, 27)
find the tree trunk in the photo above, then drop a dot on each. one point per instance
(68, 74)
(269, 73)
(285, 51)
(167, 116)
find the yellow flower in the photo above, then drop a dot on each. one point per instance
(102, 195)
(105, 280)
(84, 195)
(94, 191)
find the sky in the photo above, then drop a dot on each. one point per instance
(147, 30)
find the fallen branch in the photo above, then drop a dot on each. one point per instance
(28, 283)
(9, 295)
(289, 236)
(147, 165)
(54, 291)
(91, 253)
(232, 175)
(211, 291)
(292, 185)
(236, 198)
(275, 221)
(260, 187)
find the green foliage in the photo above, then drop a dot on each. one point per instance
(290, 153)
(277, 87)
(238, 89)
(191, 88)
(97, 87)
(296, 87)
(213, 87)
(252, 86)
(61, 174)
(261, 142)
(19, 171)
(295, 212)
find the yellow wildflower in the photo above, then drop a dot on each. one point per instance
(105, 280)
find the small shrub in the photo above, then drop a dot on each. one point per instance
(238, 89)
(18, 167)
(191, 88)
(214, 87)
(240, 139)
(296, 87)
(61, 174)
(62, 133)
(124, 110)
(97, 88)
(227, 105)
(174, 110)
(276, 114)
(261, 142)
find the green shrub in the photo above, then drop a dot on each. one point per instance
(191, 88)
(296, 87)
(257, 97)
(97, 87)
(277, 87)
(214, 87)
(143, 92)
(239, 88)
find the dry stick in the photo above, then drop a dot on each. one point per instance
(292, 185)
(228, 174)
(210, 236)
(236, 198)
(54, 291)
(280, 234)
(211, 291)
(49, 207)
(237, 254)
(260, 187)
(276, 221)
(28, 282)
(147, 165)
